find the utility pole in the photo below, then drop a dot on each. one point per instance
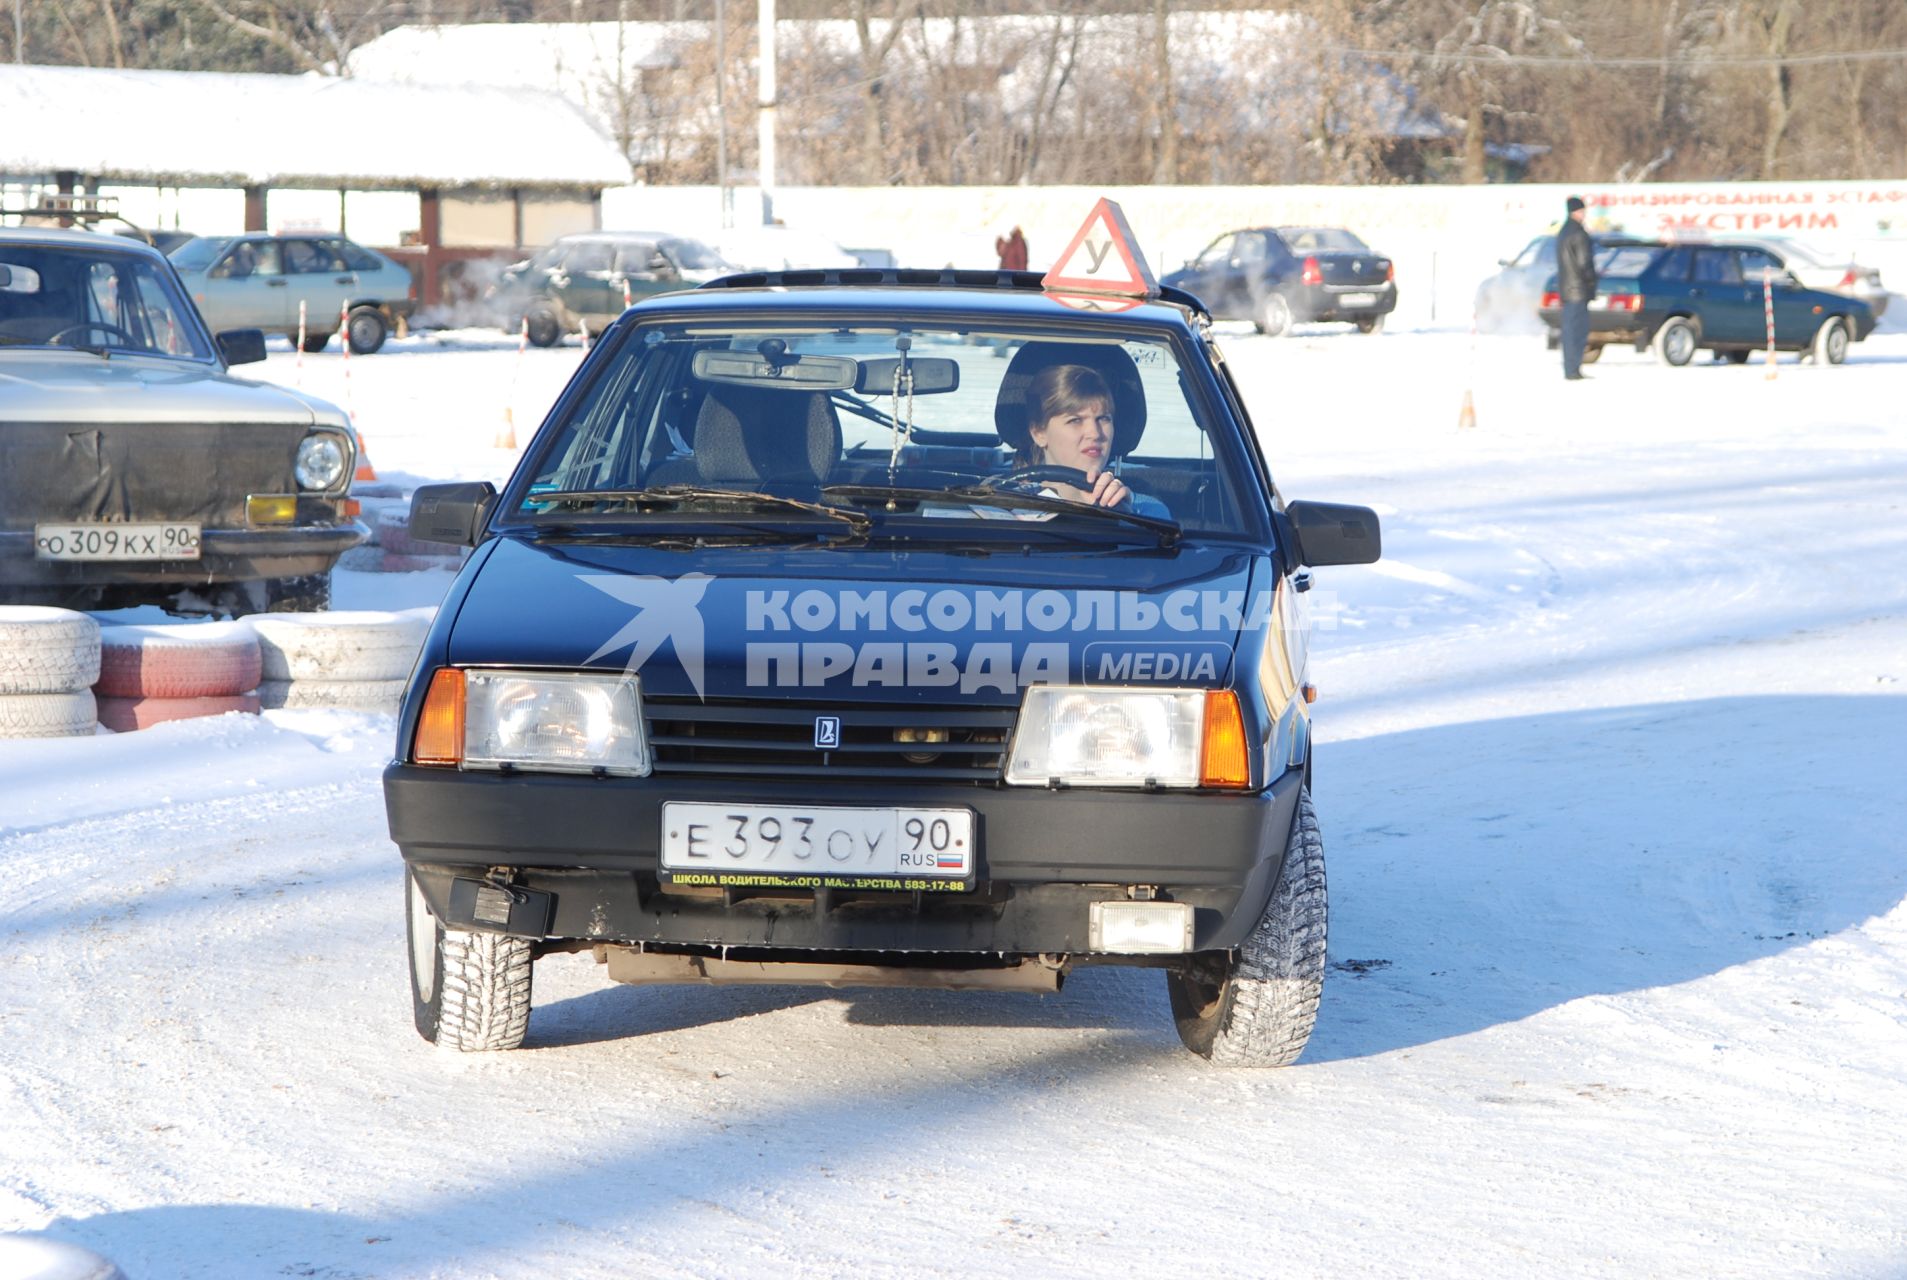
(19, 35)
(721, 113)
(765, 118)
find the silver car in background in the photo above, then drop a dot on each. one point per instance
(1820, 270)
(259, 281)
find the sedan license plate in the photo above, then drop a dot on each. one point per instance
(173, 540)
(817, 846)
(1357, 299)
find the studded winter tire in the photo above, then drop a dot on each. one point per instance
(469, 991)
(1255, 1006)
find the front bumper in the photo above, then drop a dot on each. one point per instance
(1045, 856)
(225, 555)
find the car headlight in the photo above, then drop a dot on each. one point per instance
(554, 722)
(1082, 736)
(320, 462)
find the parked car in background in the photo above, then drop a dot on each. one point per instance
(583, 281)
(1507, 302)
(136, 469)
(1688, 297)
(777, 248)
(1818, 270)
(258, 281)
(1279, 276)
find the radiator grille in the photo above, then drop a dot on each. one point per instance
(777, 739)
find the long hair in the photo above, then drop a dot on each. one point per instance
(1054, 390)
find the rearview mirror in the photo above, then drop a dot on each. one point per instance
(1328, 533)
(19, 280)
(453, 513)
(932, 375)
(242, 346)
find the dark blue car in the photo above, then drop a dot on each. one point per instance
(1683, 298)
(796, 651)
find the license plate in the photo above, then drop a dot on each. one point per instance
(1357, 299)
(173, 540)
(817, 846)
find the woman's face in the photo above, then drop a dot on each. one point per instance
(1079, 437)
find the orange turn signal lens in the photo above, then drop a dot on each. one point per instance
(1224, 761)
(440, 728)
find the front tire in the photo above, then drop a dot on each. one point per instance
(1272, 315)
(469, 991)
(315, 342)
(545, 330)
(1256, 1007)
(1830, 341)
(1371, 324)
(1675, 341)
(364, 329)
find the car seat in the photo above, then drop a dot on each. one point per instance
(748, 436)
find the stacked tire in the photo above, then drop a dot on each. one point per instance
(152, 674)
(356, 661)
(49, 659)
(405, 554)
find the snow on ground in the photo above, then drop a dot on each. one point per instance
(1609, 765)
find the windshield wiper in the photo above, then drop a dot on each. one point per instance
(678, 495)
(1167, 531)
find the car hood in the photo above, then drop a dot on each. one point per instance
(78, 386)
(873, 625)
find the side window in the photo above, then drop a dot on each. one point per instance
(1717, 266)
(1673, 266)
(102, 293)
(636, 258)
(1756, 261)
(304, 258)
(588, 257)
(353, 257)
(1251, 249)
(1218, 253)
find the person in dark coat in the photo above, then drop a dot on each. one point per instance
(1012, 251)
(1576, 282)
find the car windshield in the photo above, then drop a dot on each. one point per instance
(1627, 261)
(1538, 252)
(888, 420)
(693, 255)
(1328, 239)
(198, 253)
(94, 300)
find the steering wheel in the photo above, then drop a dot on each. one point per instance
(1044, 474)
(87, 326)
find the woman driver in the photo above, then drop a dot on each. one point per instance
(1069, 420)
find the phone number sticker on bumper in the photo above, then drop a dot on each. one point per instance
(174, 540)
(817, 846)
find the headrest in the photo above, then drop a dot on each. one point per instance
(1109, 362)
(746, 436)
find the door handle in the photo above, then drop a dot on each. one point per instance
(346, 280)
(274, 284)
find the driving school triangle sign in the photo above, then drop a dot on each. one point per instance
(1104, 257)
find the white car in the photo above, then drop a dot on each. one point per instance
(778, 248)
(1818, 270)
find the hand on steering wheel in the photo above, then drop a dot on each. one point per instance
(1103, 490)
(89, 325)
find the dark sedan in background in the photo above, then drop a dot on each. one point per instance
(1279, 276)
(1689, 297)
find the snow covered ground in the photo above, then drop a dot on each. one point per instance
(1609, 768)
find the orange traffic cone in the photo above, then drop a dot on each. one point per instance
(1467, 417)
(366, 472)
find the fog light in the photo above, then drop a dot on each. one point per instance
(1140, 928)
(271, 508)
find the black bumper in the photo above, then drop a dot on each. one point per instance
(1044, 856)
(1326, 302)
(225, 555)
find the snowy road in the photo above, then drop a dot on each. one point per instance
(1609, 763)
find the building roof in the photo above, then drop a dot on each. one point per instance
(195, 128)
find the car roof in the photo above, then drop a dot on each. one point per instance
(73, 238)
(874, 292)
(576, 237)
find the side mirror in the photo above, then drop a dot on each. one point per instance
(1328, 533)
(242, 346)
(453, 513)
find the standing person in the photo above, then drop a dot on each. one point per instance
(1012, 251)
(1576, 282)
